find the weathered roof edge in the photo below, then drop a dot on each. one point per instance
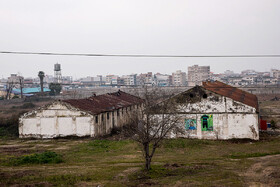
(111, 94)
(256, 105)
(34, 111)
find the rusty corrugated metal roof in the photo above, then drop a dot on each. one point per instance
(232, 92)
(106, 102)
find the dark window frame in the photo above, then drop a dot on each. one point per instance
(108, 115)
(96, 119)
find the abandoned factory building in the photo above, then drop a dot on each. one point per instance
(94, 116)
(217, 111)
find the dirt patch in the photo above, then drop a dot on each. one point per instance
(265, 172)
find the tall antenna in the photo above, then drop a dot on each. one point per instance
(57, 73)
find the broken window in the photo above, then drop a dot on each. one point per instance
(108, 115)
(102, 117)
(118, 112)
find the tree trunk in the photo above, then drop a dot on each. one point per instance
(42, 85)
(148, 163)
(147, 157)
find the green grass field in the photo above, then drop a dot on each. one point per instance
(178, 162)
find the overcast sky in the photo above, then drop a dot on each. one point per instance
(173, 27)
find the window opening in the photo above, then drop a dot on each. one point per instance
(96, 119)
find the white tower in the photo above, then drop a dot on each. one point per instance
(57, 73)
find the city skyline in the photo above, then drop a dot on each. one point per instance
(67, 72)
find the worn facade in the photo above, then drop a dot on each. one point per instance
(217, 111)
(94, 116)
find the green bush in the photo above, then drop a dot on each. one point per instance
(47, 157)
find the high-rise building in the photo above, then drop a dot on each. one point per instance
(198, 74)
(179, 78)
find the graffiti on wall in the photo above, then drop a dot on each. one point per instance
(190, 124)
(207, 122)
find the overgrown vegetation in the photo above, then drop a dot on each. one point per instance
(87, 162)
(9, 127)
(47, 157)
(55, 88)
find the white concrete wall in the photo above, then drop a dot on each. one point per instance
(56, 120)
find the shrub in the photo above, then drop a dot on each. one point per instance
(47, 157)
(9, 126)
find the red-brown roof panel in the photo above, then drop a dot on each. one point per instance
(105, 102)
(232, 92)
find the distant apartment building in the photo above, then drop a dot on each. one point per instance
(15, 80)
(93, 81)
(112, 80)
(146, 79)
(179, 78)
(129, 80)
(198, 74)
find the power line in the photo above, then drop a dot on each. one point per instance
(140, 55)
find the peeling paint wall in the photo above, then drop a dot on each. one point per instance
(231, 119)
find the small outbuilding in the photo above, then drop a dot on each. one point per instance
(217, 111)
(94, 116)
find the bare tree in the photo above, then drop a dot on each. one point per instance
(157, 119)
(9, 88)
